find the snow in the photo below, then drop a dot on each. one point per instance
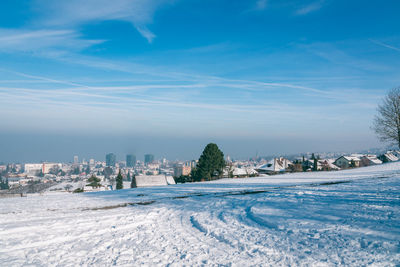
(391, 157)
(275, 165)
(349, 217)
(352, 157)
(153, 180)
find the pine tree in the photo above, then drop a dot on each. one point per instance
(211, 164)
(94, 181)
(4, 184)
(128, 177)
(120, 184)
(315, 165)
(352, 164)
(133, 182)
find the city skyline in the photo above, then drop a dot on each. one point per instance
(168, 77)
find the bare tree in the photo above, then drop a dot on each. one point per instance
(387, 122)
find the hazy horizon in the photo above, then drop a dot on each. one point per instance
(25, 147)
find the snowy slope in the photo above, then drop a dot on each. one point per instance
(321, 219)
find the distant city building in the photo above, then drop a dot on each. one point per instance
(111, 160)
(193, 164)
(33, 168)
(3, 168)
(153, 165)
(91, 162)
(130, 160)
(76, 160)
(180, 170)
(36, 168)
(51, 167)
(148, 158)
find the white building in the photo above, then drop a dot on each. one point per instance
(91, 162)
(153, 180)
(275, 165)
(33, 168)
(47, 167)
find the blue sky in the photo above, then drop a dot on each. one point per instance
(266, 77)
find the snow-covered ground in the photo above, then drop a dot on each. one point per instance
(319, 219)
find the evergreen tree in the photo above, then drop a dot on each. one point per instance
(120, 184)
(352, 164)
(133, 182)
(94, 182)
(4, 184)
(315, 168)
(211, 164)
(128, 178)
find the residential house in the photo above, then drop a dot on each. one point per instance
(274, 166)
(388, 157)
(327, 165)
(243, 172)
(370, 160)
(345, 162)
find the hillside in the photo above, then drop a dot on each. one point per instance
(326, 218)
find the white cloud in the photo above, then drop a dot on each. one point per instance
(385, 45)
(74, 13)
(310, 8)
(146, 33)
(42, 40)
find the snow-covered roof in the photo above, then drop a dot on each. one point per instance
(329, 164)
(269, 166)
(373, 159)
(394, 152)
(153, 180)
(331, 160)
(170, 179)
(239, 172)
(275, 165)
(350, 158)
(357, 155)
(376, 160)
(391, 157)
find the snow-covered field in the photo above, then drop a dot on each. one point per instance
(314, 219)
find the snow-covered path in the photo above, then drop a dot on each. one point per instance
(319, 219)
